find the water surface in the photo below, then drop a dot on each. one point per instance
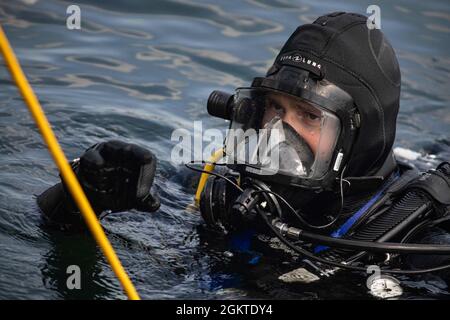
(140, 69)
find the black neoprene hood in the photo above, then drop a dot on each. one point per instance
(340, 48)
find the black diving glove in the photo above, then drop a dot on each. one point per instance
(115, 176)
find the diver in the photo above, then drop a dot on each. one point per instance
(337, 195)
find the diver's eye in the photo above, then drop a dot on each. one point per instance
(309, 119)
(272, 105)
(312, 116)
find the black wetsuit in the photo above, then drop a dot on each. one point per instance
(59, 211)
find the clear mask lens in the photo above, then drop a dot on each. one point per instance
(276, 133)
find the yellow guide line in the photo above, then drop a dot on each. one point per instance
(208, 167)
(64, 167)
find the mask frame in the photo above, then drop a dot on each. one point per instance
(329, 97)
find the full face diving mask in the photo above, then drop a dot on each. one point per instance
(288, 134)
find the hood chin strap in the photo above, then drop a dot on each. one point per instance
(371, 182)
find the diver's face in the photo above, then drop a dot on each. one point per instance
(300, 115)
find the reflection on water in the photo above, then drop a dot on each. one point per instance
(138, 70)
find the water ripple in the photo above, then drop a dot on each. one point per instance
(136, 71)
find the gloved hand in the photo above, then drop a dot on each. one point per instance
(117, 176)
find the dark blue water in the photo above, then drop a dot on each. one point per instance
(140, 69)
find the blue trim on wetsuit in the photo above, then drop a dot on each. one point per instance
(343, 229)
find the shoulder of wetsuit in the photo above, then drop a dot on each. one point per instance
(433, 184)
(406, 174)
(412, 196)
(384, 200)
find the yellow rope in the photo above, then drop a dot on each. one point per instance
(64, 167)
(208, 167)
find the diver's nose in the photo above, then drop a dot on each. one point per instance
(290, 117)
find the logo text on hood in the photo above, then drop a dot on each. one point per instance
(300, 59)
